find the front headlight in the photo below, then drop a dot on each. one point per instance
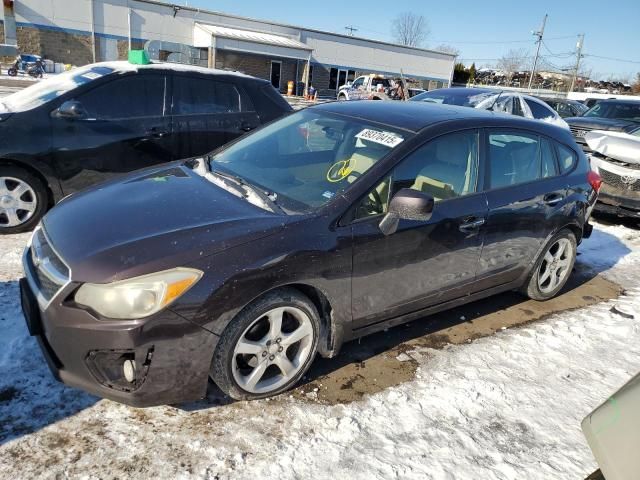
(137, 297)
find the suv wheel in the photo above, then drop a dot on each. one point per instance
(553, 268)
(23, 200)
(268, 347)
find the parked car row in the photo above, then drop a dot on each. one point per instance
(242, 263)
(505, 101)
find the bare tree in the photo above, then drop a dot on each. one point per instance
(635, 88)
(512, 62)
(410, 29)
(448, 49)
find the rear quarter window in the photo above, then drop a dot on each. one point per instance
(567, 157)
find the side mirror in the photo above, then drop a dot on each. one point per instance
(407, 204)
(71, 110)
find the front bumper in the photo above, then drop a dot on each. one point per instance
(616, 201)
(171, 355)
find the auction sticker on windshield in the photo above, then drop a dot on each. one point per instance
(387, 139)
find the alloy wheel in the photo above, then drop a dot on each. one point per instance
(18, 202)
(272, 350)
(555, 265)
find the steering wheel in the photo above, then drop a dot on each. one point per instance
(378, 200)
(377, 203)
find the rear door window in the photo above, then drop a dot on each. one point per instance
(134, 96)
(203, 96)
(514, 158)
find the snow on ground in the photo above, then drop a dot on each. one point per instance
(503, 407)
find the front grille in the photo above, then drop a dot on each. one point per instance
(579, 132)
(47, 269)
(627, 182)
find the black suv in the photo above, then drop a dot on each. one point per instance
(611, 115)
(324, 226)
(86, 125)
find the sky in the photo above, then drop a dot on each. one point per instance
(481, 31)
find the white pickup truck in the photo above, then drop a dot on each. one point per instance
(367, 87)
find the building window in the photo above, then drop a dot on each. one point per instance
(333, 79)
(339, 77)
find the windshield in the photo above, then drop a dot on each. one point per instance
(47, 90)
(306, 159)
(619, 110)
(451, 97)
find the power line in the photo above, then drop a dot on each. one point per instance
(557, 55)
(498, 42)
(610, 58)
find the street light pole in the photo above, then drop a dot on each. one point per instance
(579, 57)
(539, 34)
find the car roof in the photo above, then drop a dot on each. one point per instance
(617, 100)
(553, 99)
(122, 66)
(467, 90)
(415, 116)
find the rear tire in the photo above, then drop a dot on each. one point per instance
(23, 200)
(267, 347)
(553, 267)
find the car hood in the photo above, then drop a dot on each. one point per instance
(616, 145)
(600, 123)
(151, 221)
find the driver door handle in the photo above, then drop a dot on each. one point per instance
(553, 199)
(471, 224)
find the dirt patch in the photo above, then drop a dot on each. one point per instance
(380, 361)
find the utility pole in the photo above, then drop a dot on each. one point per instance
(538, 34)
(578, 58)
(351, 29)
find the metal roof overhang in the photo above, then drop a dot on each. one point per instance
(225, 38)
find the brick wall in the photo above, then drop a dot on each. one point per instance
(256, 66)
(56, 45)
(320, 80)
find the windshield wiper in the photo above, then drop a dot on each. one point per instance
(268, 199)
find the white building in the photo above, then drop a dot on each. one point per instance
(83, 31)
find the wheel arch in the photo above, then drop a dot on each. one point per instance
(29, 167)
(331, 333)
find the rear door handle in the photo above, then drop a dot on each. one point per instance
(553, 199)
(472, 224)
(156, 132)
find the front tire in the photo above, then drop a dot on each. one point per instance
(553, 267)
(23, 200)
(267, 347)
